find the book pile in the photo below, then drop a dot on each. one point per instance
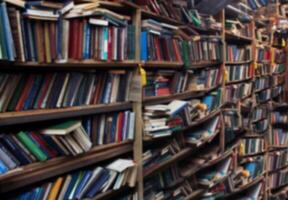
(24, 148)
(278, 68)
(238, 91)
(262, 69)
(162, 120)
(278, 179)
(263, 96)
(277, 159)
(279, 137)
(155, 156)
(263, 54)
(237, 28)
(262, 83)
(57, 90)
(111, 127)
(238, 72)
(212, 175)
(158, 42)
(203, 133)
(236, 53)
(256, 4)
(250, 146)
(167, 184)
(88, 183)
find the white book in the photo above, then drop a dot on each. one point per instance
(120, 165)
(98, 22)
(113, 176)
(64, 187)
(73, 144)
(131, 133)
(67, 8)
(42, 13)
(47, 191)
(169, 26)
(61, 96)
(43, 105)
(90, 90)
(119, 181)
(101, 130)
(176, 106)
(82, 138)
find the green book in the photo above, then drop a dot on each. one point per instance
(17, 94)
(185, 53)
(63, 128)
(31, 146)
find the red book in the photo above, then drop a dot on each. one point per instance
(176, 50)
(120, 127)
(163, 92)
(43, 90)
(79, 36)
(43, 145)
(25, 93)
(110, 35)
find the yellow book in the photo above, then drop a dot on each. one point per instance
(55, 189)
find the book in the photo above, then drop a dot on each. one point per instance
(236, 53)
(238, 72)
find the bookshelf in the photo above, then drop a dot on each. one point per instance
(228, 148)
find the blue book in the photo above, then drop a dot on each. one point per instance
(98, 184)
(8, 32)
(105, 35)
(86, 42)
(144, 46)
(33, 92)
(40, 191)
(251, 167)
(83, 183)
(114, 126)
(71, 184)
(208, 100)
(3, 167)
(53, 145)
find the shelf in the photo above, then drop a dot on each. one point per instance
(146, 14)
(208, 164)
(253, 154)
(213, 184)
(238, 62)
(203, 64)
(278, 169)
(180, 96)
(195, 194)
(56, 167)
(238, 81)
(179, 156)
(111, 193)
(261, 90)
(10, 118)
(89, 64)
(162, 64)
(229, 36)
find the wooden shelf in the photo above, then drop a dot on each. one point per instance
(163, 64)
(278, 169)
(89, 64)
(203, 64)
(11, 118)
(229, 36)
(146, 14)
(179, 96)
(111, 193)
(238, 81)
(179, 156)
(238, 62)
(52, 168)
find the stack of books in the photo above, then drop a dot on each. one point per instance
(162, 120)
(57, 90)
(277, 159)
(87, 183)
(236, 53)
(238, 72)
(250, 146)
(238, 92)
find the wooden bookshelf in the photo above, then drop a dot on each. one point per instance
(10, 118)
(162, 65)
(41, 171)
(196, 194)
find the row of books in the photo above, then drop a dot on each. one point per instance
(263, 54)
(255, 166)
(259, 113)
(262, 83)
(57, 90)
(260, 127)
(232, 120)
(279, 118)
(236, 53)
(24, 148)
(166, 82)
(238, 72)
(237, 92)
(278, 179)
(262, 69)
(278, 92)
(278, 80)
(277, 159)
(86, 183)
(251, 146)
(152, 157)
(263, 96)
(278, 68)
(280, 56)
(39, 35)
(256, 4)
(278, 137)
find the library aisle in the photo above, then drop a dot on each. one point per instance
(143, 100)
